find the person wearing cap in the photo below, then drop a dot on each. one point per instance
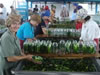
(64, 13)
(90, 29)
(47, 12)
(10, 52)
(75, 5)
(26, 30)
(73, 17)
(46, 15)
(78, 23)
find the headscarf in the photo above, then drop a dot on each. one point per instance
(82, 14)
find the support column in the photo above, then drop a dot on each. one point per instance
(96, 8)
(45, 3)
(31, 4)
(27, 10)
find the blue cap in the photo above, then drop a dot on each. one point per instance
(79, 7)
(75, 4)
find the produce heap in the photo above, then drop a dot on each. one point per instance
(61, 65)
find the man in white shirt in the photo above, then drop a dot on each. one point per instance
(3, 14)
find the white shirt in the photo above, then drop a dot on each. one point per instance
(90, 31)
(4, 15)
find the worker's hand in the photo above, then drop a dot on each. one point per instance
(29, 57)
(81, 41)
(44, 30)
(34, 38)
(30, 40)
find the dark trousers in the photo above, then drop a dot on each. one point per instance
(13, 67)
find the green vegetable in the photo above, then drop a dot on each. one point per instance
(37, 58)
(64, 65)
(76, 48)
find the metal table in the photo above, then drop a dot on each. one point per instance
(56, 73)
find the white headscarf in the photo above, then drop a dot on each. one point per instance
(82, 14)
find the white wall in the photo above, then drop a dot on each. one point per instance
(7, 4)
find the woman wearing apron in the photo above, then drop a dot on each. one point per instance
(90, 29)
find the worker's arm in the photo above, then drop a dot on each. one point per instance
(44, 30)
(30, 40)
(17, 58)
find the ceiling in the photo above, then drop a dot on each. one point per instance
(63, 0)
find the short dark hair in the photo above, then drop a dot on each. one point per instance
(36, 5)
(1, 5)
(87, 18)
(11, 6)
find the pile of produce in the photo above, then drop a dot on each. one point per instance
(61, 46)
(64, 65)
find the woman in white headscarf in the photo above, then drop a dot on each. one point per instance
(90, 29)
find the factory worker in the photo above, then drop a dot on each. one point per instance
(90, 29)
(11, 54)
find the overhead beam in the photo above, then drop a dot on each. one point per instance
(64, 0)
